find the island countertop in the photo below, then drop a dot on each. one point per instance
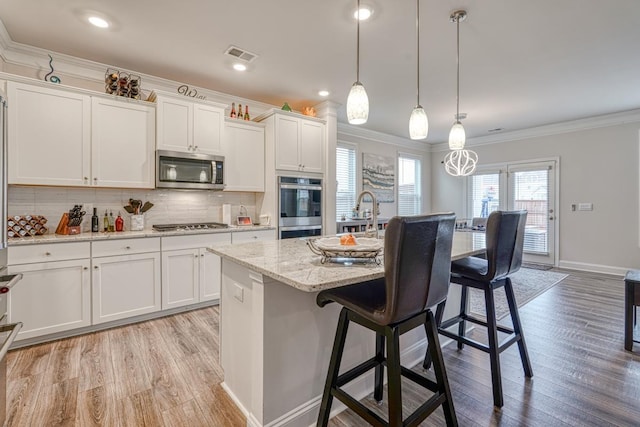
(290, 261)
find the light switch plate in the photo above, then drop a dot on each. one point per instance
(238, 292)
(585, 206)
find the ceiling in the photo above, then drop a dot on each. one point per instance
(523, 63)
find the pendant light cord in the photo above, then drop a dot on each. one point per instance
(358, 46)
(458, 71)
(418, 47)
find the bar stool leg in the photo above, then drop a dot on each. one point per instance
(438, 368)
(394, 376)
(439, 314)
(334, 367)
(494, 353)
(629, 312)
(462, 326)
(379, 374)
(517, 328)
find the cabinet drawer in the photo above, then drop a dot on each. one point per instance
(47, 252)
(195, 241)
(125, 246)
(253, 236)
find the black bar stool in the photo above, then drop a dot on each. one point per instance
(631, 301)
(504, 240)
(417, 262)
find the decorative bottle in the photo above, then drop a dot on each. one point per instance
(119, 223)
(240, 111)
(246, 112)
(112, 222)
(105, 221)
(233, 110)
(95, 224)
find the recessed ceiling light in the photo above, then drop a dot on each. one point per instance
(323, 93)
(239, 67)
(365, 13)
(98, 22)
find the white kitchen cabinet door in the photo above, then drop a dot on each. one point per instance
(123, 144)
(49, 136)
(311, 146)
(125, 286)
(210, 275)
(180, 278)
(207, 129)
(174, 124)
(51, 297)
(244, 157)
(287, 136)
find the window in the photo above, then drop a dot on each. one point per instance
(409, 191)
(485, 194)
(346, 176)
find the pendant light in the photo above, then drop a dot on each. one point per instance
(459, 162)
(418, 122)
(357, 101)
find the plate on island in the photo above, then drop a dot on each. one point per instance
(363, 244)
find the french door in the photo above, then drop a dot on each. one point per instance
(521, 186)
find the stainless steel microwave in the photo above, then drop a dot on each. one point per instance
(189, 170)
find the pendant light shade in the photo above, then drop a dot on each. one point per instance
(460, 162)
(457, 136)
(418, 122)
(357, 101)
(357, 105)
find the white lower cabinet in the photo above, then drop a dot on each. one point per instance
(190, 273)
(125, 286)
(51, 297)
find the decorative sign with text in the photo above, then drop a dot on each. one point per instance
(191, 93)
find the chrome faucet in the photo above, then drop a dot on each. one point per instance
(373, 230)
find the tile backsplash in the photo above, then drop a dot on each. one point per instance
(170, 206)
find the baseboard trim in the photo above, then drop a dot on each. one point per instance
(594, 268)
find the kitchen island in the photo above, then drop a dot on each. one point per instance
(276, 342)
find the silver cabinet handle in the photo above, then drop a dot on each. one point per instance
(47, 253)
(127, 247)
(95, 267)
(85, 268)
(202, 255)
(195, 147)
(195, 256)
(86, 178)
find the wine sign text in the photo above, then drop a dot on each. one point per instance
(192, 93)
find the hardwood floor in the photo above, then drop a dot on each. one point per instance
(165, 372)
(155, 373)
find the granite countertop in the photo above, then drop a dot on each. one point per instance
(290, 261)
(89, 236)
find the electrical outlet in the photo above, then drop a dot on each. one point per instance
(585, 206)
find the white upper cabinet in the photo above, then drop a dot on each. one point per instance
(299, 141)
(49, 133)
(189, 126)
(123, 141)
(59, 136)
(244, 156)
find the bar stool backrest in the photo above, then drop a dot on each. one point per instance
(417, 263)
(505, 240)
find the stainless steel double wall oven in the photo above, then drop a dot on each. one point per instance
(300, 201)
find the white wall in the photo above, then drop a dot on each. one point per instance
(389, 146)
(599, 166)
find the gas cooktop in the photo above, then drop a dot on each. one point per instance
(189, 226)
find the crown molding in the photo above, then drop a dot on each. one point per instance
(605, 120)
(355, 134)
(37, 59)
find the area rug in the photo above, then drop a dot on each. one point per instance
(527, 283)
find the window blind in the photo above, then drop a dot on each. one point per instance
(531, 193)
(485, 190)
(346, 177)
(409, 191)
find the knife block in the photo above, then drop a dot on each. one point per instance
(64, 228)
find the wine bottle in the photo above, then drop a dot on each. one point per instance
(112, 222)
(105, 221)
(95, 227)
(233, 110)
(240, 111)
(246, 112)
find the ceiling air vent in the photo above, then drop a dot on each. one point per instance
(238, 53)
